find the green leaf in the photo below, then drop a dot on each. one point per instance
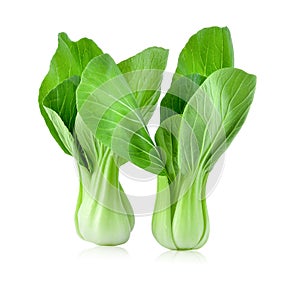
(69, 60)
(62, 100)
(107, 106)
(144, 73)
(213, 117)
(60, 106)
(181, 90)
(207, 51)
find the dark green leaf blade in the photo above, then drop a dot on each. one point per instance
(60, 106)
(207, 51)
(69, 60)
(62, 100)
(181, 90)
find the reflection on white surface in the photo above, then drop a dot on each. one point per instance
(105, 253)
(182, 257)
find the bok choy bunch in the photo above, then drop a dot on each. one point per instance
(97, 112)
(204, 109)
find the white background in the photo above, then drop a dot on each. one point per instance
(254, 212)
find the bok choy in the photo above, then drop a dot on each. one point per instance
(204, 109)
(97, 113)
